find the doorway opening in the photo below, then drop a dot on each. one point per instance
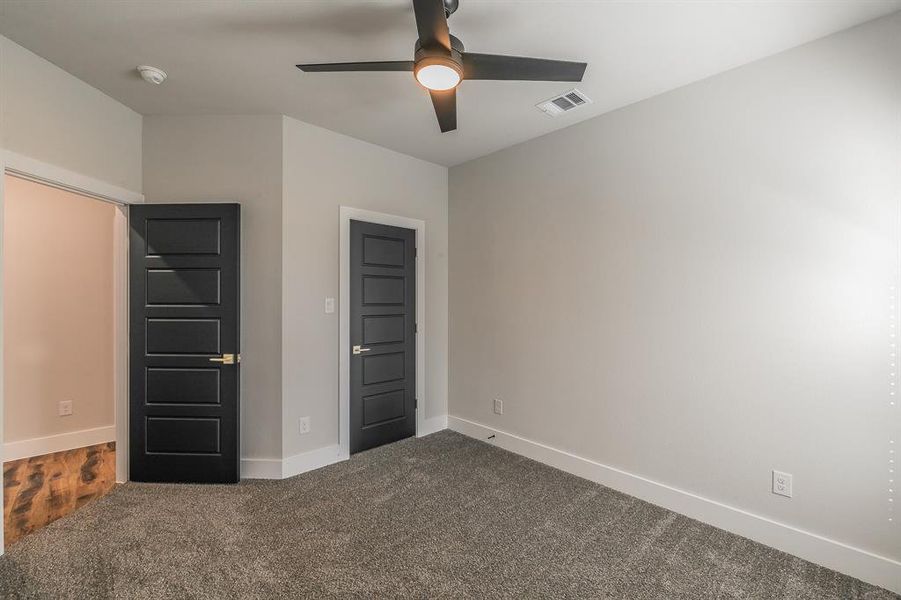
(60, 261)
(394, 348)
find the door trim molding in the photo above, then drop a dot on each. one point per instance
(41, 172)
(346, 215)
(844, 558)
(2, 405)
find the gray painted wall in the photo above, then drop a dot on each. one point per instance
(235, 159)
(697, 288)
(49, 115)
(323, 171)
(291, 178)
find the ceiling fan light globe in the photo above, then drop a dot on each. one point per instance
(438, 76)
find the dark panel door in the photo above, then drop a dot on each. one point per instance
(382, 334)
(184, 326)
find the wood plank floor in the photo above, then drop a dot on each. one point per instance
(41, 489)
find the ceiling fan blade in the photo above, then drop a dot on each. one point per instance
(431, 21)
(445, 103)
(522, 68)
(386, 65)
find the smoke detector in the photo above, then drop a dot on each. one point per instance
(152, 74)
(563, 103)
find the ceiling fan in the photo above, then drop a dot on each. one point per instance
(440, 62)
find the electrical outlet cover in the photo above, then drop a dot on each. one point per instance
(782, 484)
(304, 425)
(498, 406)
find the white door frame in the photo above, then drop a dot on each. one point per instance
(347, 214)
(25, 167)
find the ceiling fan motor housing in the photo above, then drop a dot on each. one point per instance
(431, 55)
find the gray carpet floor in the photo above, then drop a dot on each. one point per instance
(439, 517)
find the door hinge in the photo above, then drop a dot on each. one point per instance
(415, 327)
(415, 251)
(415, 402)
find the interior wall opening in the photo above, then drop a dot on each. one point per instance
(59, 345)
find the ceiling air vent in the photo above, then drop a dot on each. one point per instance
(563, 103)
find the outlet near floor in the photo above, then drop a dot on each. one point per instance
(65, 408)
(498, 406)
(304, 425)
(782, 484)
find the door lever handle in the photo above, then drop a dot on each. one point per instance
(359, 350)
(226, 359)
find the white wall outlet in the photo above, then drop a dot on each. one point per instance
(65, 408)
(304, 425)
(329, 305)
(782, 484)
(498, 406)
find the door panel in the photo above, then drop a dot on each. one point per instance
(183, 336)
(183, 386)
(182, 236)
(383, 323)
(383, 251)
(184, 294)
(383, 329)
(383, 290)
(183, 435)
(379, 368)
(379, 408)
(183, 286)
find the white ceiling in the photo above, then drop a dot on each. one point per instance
(238, 57)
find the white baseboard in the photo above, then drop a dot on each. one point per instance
(433, 425)
(275, 468)
(58, 443)
(310, 461)
(866, 566)
(261, 468)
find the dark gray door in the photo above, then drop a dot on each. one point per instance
(184, 325)
(382, 334)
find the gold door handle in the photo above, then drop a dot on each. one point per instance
(359, 350)
(226, 359)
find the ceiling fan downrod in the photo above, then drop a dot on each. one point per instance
(450, 6)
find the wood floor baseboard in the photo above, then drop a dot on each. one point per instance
(40, 489)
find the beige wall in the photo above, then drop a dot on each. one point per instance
(323, 171)
(235, 159)
(49, 115)
(57, 310)
(696, 289)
